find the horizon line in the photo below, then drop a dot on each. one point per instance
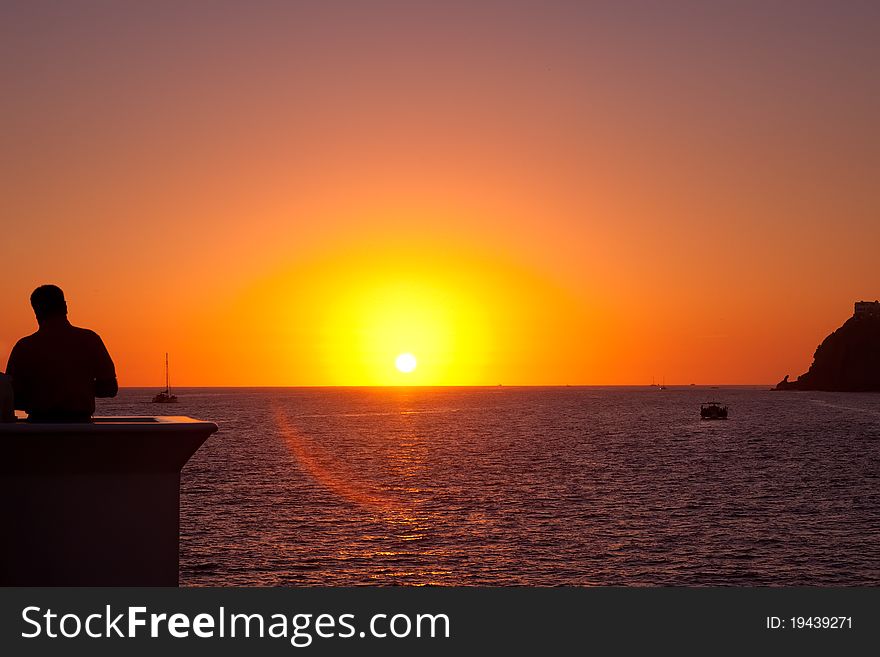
(488, 385)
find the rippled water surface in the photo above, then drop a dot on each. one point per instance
(534, 486)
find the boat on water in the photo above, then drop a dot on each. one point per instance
(713, 411)
(165, 397)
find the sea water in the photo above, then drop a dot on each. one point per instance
(527, 486)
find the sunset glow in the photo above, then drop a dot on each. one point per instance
(551, 194)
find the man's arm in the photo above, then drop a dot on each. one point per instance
(106, 387)
(105, 371)
(19, 388)
(7, 405)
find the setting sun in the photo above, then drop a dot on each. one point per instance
(406, 363)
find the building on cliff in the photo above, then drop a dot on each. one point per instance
(867, 309)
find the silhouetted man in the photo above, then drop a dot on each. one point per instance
(58, 371)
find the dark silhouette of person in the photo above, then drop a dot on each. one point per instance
(7, 412)
(58, 371)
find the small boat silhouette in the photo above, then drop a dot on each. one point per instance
(165, 397)
(713, 411)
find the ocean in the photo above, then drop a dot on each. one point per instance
(581, 486)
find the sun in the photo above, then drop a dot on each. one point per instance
(406, 363)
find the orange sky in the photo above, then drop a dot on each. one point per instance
(517, 193)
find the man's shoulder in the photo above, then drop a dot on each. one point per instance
(85, 334)
(25, 342)
(89, 340)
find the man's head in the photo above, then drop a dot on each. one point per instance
(48, 302)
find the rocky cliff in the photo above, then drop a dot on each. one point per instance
(847, 360)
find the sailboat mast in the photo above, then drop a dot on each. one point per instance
(167, 379)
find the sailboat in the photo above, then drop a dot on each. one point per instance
(166, 397)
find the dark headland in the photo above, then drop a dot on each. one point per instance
(848, 360)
